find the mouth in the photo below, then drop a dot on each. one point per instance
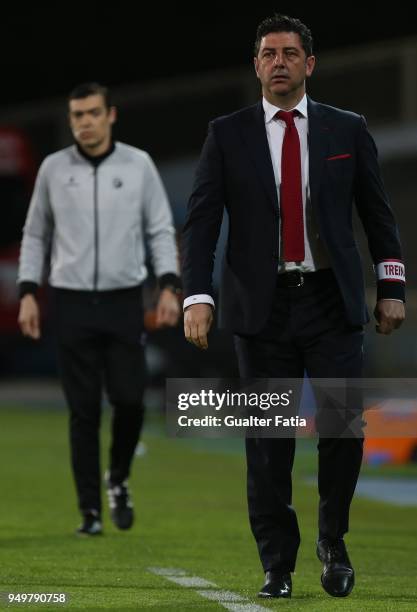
(279, 78)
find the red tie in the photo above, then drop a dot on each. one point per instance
(291, 196)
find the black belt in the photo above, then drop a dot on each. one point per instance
(296, 278)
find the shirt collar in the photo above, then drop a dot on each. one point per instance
(97, 159)
(271, 110)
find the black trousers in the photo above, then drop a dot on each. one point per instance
(306, 331)
(101, 343)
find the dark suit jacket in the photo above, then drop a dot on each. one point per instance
(235, 171)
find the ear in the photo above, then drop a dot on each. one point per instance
(112, 114)
(310, 64)
(256, 64)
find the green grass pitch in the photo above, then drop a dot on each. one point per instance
(191, 514)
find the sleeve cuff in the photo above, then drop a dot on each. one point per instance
(390, 276)
(392, 300)
(26, 287)
(201, 298)
(170, 280)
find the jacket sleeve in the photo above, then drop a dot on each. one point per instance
(158, 223)
(377, 217)
(204, 218)
(37, 232)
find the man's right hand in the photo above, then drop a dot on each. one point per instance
(197, 322)
(29, 320)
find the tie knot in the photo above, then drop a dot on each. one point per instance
(287, 116)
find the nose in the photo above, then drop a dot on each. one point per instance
(279, 58)
(85, 120)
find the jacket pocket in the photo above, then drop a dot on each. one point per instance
(339, 157)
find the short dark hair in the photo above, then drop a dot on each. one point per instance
(283, 23)
(90, 89)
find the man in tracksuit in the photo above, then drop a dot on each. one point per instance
(94, 205)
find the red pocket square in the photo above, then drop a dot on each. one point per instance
(343, 156)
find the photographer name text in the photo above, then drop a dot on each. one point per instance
(249, 421)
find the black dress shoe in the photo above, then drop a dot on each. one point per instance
(120, 503)
(91, 525)
(276, 584)
(338, 576)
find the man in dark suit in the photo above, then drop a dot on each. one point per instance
(292, 291)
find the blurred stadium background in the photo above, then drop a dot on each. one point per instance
(176, 69)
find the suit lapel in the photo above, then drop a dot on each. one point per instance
(318, 145)
(254, 135)
(256, 140)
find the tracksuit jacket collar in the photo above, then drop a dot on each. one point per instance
(96, 160)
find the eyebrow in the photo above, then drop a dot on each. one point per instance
(285, 49)
(88, 110)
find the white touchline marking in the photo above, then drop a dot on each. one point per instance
(229, 600)
(241, 607)
(221, 595)
(167, 571)
(190, 581)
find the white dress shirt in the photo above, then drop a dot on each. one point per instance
(315, 255)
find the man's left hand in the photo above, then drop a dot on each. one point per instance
(390, 314)
(168, 309)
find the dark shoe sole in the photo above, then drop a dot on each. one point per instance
(123, 525)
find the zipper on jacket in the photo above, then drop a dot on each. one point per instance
(96, 234)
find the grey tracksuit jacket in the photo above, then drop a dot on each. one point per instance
(94, 222)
